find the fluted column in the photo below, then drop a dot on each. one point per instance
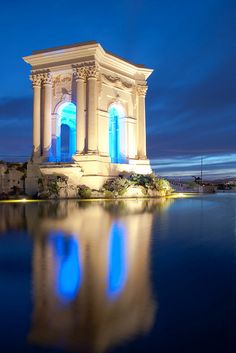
(47, 106)
(80, 75)
(141, 90)
(36, 82)
(92, 72)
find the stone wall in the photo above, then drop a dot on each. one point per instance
(12, 176)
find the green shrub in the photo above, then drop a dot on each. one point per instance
(117, 185)
(108, 194)
(84, 192)
(151, 181)
(53, 187)
(142, 180)
(162, 184)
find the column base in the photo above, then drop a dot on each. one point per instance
(90, 170)
(95, 165)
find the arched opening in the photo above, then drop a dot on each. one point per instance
(117, 138)
(66, 132)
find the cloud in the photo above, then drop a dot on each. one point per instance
(194, 118)
(213, 166)
(14, 108)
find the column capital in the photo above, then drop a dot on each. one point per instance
(79, 72)
(141, 90)
(92, 70)
(46, 78)
(36, 79)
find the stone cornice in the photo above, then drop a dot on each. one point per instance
(67, 57)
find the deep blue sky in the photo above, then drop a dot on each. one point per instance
(191, 45)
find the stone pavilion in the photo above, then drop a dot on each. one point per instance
(89, 120)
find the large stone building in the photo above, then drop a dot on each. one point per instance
(88, 114)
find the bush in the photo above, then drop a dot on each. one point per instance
(108, 194)
(53, 187)
(117, 185)
(148, 181)
(151, 182)
(84, 192)
(163, 185)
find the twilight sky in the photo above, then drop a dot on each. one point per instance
(191, 45)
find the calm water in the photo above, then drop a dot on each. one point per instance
(128, 276)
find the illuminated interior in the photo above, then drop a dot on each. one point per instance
(66, 132)
(117, 141)
(117, 260)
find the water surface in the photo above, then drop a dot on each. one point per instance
(118, 276)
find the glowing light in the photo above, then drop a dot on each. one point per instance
(116, 134)
(21, 200)
(176, 195)
(181, 194)
(117, 260)
(65, 143)
(67, 260)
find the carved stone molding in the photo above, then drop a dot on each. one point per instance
(117, 82)
(141, 90)
(62, 79)
(36, 79)
(47, 78)
(61, 85)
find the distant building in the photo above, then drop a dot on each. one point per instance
(89, 119)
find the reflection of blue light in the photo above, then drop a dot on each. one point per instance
(117, 261)
(68, 263)
(115, 137)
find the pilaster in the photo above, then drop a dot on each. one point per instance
(47, 106)
(80, 77)
(141, 139)
(92, 74)
(36, 83)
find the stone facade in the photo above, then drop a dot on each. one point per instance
(108, 130)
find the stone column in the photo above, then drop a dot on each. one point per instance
(80, 76)
(141, 90)
(92, 72)
(47, 106)
(36, 82)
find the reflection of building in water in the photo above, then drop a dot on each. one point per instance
(91, 278)
(12, 217)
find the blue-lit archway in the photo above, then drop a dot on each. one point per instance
(66, 132)
(117, 260)
(67, 263)
(117, 139)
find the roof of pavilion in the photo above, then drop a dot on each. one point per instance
(81, 44)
